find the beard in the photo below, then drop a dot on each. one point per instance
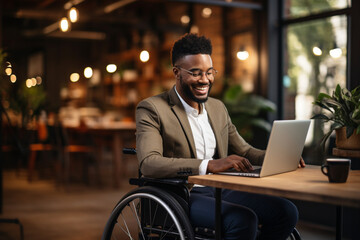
(189, 93)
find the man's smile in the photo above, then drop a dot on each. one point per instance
(201, 90)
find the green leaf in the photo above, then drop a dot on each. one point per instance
(335, 126)
(321, 116)
(321, 96)
(356, 92)
(356, 114)
(332, 103)
(320, 104)
(337, 92)
(233, 93)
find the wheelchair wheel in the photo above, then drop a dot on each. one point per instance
(295, 235)
(148, 213)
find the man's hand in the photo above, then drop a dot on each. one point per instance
(232, 161)
(302, 163)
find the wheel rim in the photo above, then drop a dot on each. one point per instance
(131, 222)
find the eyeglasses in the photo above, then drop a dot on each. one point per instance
(197, 74)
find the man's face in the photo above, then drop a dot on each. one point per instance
(194, 89)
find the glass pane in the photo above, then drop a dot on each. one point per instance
(311, 65)
(301, 8)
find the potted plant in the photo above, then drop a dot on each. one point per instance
(342, 109)
(247, 111)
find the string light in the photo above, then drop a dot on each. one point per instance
(64, 24)
(73, 14)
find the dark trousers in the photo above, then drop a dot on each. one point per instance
(242, 213)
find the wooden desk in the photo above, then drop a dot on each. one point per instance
(307, 184)
(114, 135)
(117, 133)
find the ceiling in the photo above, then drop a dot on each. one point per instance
(33, 18)
(40, 18)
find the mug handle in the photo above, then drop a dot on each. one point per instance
(325, 167)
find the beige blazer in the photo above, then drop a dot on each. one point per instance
(165, 144)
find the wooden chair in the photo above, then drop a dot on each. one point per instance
(44, 142)
(78, 146)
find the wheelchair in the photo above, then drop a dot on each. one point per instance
(157, 209)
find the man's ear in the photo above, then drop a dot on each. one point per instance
(176, 72)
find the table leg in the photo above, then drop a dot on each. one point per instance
(218, 213)
(339, 222)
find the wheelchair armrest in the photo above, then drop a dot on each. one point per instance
(175, 186)
(166, 181)
(129, 151)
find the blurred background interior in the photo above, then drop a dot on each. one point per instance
(72, 72)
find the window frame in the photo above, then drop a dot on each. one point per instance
(276, 26)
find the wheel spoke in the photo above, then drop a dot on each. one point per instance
(146, 215)
(137, 219)
(127, 232)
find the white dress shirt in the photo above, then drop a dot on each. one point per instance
(204, 138)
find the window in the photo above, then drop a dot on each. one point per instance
(301, 8)
(315, 37)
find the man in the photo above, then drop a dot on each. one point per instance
(185, 132)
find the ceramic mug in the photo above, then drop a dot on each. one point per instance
(337, 169)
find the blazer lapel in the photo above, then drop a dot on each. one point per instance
(180, 113)
(213, 115)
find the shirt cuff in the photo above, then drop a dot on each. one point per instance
(203, 166)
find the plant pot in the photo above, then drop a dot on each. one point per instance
(353, 142)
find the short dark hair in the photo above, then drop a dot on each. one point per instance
(190, 44)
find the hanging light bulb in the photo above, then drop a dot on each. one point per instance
(74, 77)
(111, 68)
(38, 80)
(28, 83)
(206, 12)
(13, 78)
(242, 54)
(8, 71)
(144, 56)
(88, 72)
(73, 14)
(64, 24)
(185, 19)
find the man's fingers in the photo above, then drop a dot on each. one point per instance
(244, 165)
(248, 165)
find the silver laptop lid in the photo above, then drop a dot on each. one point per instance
(285, 146)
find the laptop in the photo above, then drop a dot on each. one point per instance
(283, 152)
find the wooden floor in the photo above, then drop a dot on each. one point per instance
(50, 212)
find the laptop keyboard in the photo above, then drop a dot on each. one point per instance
(256, 171)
